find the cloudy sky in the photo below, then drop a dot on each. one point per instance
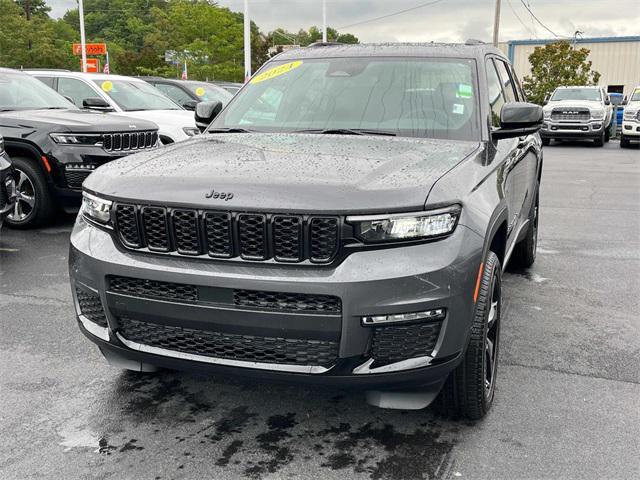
(446, 20)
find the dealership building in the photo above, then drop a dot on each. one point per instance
(616, 58)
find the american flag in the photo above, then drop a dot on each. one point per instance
(106, 65)
(184, 71)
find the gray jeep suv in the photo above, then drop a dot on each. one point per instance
(345, 221)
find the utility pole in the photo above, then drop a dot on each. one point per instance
(496, 24)
(324, 21)
(83, 43)
(247, 42)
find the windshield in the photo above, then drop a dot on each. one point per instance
(209, 93)
(587, 94)
(636, 96)
(132, 95)
(415, 97)
(20, 91)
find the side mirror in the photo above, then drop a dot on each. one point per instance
(517, 120)
(206, 112)
(625, 100)
(97, 103)
(190, 105)
(607, 100)
(546, 99)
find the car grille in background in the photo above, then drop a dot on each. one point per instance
(254, 299)
(247, 348)
(76, 177)
(570, 114)
(250, 236)
(127, 141)
(91, 307)
(400, 342)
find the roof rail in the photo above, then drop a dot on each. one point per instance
(47, 69)
(324, 44)
(473, 41)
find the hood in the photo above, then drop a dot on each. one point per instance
(573, 104)
(166, 119)
(285, 172)
(72, 121)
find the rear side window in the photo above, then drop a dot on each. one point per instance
(506, 81)
(494, 89)
(48, 81)
(174, 93)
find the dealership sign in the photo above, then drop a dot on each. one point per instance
(91, 48)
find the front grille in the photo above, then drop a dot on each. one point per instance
(254, 299)
(400, 342)
(152, 289)
(91, 307)
(249, 236)
(76, 177)
(247, 348)
(129, 141)
(295, 302)
(570, 114)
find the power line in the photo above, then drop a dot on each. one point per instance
(538, 20)
(391, 14)
(519, 19)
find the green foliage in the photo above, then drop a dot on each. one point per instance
(138, 33)
(557, 64)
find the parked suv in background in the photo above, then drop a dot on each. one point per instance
(344, 221)
(127, 96)
(573, 113)
(54, 146)
(631, 121)
(188, 93)
(7, 184)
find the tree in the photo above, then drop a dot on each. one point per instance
(34, 7)
(557, 64)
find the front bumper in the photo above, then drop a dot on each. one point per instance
(438, 275)
(631, 129)
(591, 129)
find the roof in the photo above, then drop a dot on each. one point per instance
(452, 50)
(544, 41)
(93, 76)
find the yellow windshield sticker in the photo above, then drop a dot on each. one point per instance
(276, 71)
(200, 91)
(107, 86)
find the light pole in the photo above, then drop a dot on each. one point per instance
(324, 21)
(496, 24)
(247, 42)
(82, 38)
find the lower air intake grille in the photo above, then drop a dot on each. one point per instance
(297, 302)
(396, 343)
(91, 307)
(153, 289)
(230, 346)
(76, 177)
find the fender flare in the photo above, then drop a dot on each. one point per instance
(499, 216)
(35, 152)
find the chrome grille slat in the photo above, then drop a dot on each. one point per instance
(129, 141)
(226, 235)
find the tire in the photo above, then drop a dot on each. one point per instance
(607, 134)
(546, 141)
(599, 142)
(470, 388)
(624, 142)
(34, 205)
(524, 252)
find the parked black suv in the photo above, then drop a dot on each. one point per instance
(188, 93)
(344, 221)
(7, 184)
(54, 146)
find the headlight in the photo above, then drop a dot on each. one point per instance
(191, 131)
(547, 114)
(629, 114)
(96, 208)
(398, 227)
(597, 114)
(77, 139)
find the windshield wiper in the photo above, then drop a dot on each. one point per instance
(230, 130)
(346, 131)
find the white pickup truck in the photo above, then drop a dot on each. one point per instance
(631, 120)
(580, 112)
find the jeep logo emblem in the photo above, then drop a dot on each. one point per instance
(226, 196)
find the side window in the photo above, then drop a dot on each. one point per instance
(494, 90)
(521, 96)
(507, 83)
(75, 89)
(48, 81)
(174, 93)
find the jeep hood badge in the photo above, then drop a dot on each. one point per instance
(226, 196)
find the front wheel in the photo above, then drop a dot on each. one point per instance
(34, 205)
(546, 141)
(470, 388)
(599, 142)
(624, 142)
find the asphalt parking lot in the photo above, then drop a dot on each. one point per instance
(567, 402)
